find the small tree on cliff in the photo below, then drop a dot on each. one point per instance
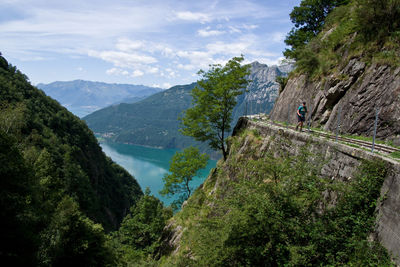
(184, 166)
(209, 119)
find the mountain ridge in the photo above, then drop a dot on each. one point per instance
(83, 97)
(154, 120)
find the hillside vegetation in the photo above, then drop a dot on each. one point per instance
(147, 122)
(58, 189)
(263, 207)
(367, 29)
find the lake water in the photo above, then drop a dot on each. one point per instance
(148, 165)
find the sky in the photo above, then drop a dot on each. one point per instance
(157, 43)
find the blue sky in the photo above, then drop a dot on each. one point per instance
(153, 42)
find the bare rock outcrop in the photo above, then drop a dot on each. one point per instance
(355, 91)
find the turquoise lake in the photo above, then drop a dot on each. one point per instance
(149, 165)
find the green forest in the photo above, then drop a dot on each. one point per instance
(60, 194)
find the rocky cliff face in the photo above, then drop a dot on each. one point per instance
(355, 91)
(262, 91)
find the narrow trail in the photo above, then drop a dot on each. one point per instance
(332, 136)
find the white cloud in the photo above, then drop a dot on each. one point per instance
(207, 32)
(197, 59)
(278, 37)
(127, 45)
(33, 58)
(234, 29)
(193, 16)
(249, 27)
(117, 71)
(153, 40)
(166, 85)
(270, 61)
(137, 73)
(152, 70)
(186, 67)
(228, 48)
(123, 59)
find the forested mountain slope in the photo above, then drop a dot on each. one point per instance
(56, 183)
(154, 121)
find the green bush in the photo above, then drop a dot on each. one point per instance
(138, 238)
(377, 19)
(274, 213)
(282, 81)
(307, 62)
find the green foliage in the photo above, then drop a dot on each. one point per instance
(282, 80)
(395, 154)
(150, 122)
(138, 238)
(74, 240)
(63, 153)
(12, 118)
(308, 18)
(368, 29)
(209, 120)
(275, 210)
(308, 61)
(183, 168)
(378, 19)
(18, 242)
(56, 183)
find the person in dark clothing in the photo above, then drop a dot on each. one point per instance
(301, 116)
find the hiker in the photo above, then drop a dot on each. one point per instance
(301, 116)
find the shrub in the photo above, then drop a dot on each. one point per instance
(377, 19)
(282, 81)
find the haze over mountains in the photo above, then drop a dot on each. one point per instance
(154, 120)
(83, 97)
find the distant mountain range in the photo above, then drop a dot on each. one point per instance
(84, 97)
(154, 120)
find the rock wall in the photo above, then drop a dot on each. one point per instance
(341, 163)
(261, 91)
(356, 89)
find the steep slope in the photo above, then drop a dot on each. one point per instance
(348, 71)
(61, 153)
(284, 198)
(154, 121)
(84, 97)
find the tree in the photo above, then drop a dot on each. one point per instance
(377, 19)
(18, 242)
(184, 166)
(141, 230)
(213, 101)
(72, 239)
(12, 118)
(308, 19)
